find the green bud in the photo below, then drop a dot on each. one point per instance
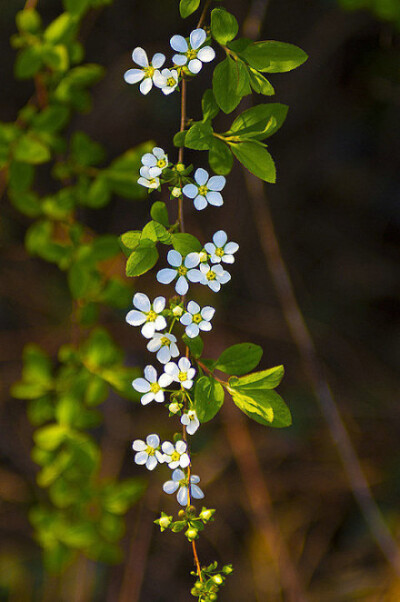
(182, 514)
(176, 192)
(206, 514)
(177, 311)
(191, 510)
(180, 167)
(28, 20)
(228, 569)
(191, 534)
(213, 597)
(164, 522)
(218, 579)
(174, 408)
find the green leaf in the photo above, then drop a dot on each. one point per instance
(52, 119)
(159, 213)
(199, 136)
(239, 359)
(50, 437)
(266, 379)
(99, 193)
(195, 345)
(61, 29)
(123, 173)
(256, 159)
(28, 20)
(185, 243)
(263, 406)
(156, 232)
(26, 202)
(224, 26)
(131, 239)
(187, 7)
(179, 139)
(28, 62)
(260, 121)
(274, 57)
(104, 247)
(209, 106)
(20, 176)
(76, 7)
(85, 75)
(119, 497)
(56, 57)
(143, 258)
(208, 398)
(259, 83)
(230, 84)
(28, 149)
(220, 157)
(86, 151)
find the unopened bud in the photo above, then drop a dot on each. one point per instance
(176, 192)
(174, 408)
(205, 515)
(191, 534)
(164, 522)
(180, 167)
(182, 514)
(177, 311)
(203, 256)
(217, 579)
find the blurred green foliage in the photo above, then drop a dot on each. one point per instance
(387, 10)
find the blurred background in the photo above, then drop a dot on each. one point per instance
(337, 216)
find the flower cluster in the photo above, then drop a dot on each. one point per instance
(192, 53)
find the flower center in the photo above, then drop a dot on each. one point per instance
(191, 54)
(182, 376)
(151, 316)
(175, 456)
(182, 271)
(203, 190)
(149, 71)
(165, 341)
(219, 252)
(203, 256)
(150, 451)
(153, 182)
(171, 82)
(155, 387)
(161, 163)
(197, 318)
(211, 275)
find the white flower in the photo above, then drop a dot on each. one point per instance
(148, 453)
(151, 386)
(147, 314)
(177, 455)
(207, 190)
(146, 179)
(190, 420)
(182, 270)
(182, 372)
(179, 481)
(221, 250)
(133, 76)
(156, 161)
(165, 345)
(211, 276)
(190, 52)
(167, 80)
(196, 319)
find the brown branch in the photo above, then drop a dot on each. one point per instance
(30, 4)
(204, 14)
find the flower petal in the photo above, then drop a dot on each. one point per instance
(197, 38)
(206, 54)
(194, 275)
(159, 304)
(133, 76)
(185, 460)
(192, 330)
(166, 275)
(196, 492)
(215, 198)
(192, 260)
(168, 448)
(149, 160)
(179, 59)
(135, 318)
(170, 486)
(214, 285)
(158, 60)
(200, 202)
(141, 385)
(210, 248)
(160, 323)
(186, 319)
(193, 307)
(182, 496)
(207, 313)
(178, 475)
(150, 374)
(205, 326)
(141, 457)
(220, 238)
(181, 286)
(153, 440)
(139, 445)
(148, 330)
(147, 398)
(174, 350)
(164, 355)
(231, 248)
(195, 66)
(178, 43)
(151, 463)
(181, 447)
(146, 85)
(165, 380)
(174, 258)
(216, 183)
(184, 364)
(154, 344)
(201, 176)
(159, 80)
(190, 190)
(140, 57)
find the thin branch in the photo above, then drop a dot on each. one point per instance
(204, 13)
(30, 4)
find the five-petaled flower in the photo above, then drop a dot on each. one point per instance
(196, 319)
(212, 276)
(176, 455)
(220, 249)
(206, 190)
(165, 346)
(146, 179)
(181, 269)
(191, 53)
(167, 80)
(191, 422)
(179, 481)
(146, 74)
(148, 452)
(152, 386)
(156, 161)
(147, 314)
(182, 373)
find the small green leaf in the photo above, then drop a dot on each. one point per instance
(187, 7)
(239, 359)
(263, 406)
(259, 83)
(28, 63)
(159, 213)
(208, 398)
(260, 121)
(143, 258)
(86, 151)
(131, 239)
(220, 157)
(209, 106)
(52, 119)
(179, 139)
(50, 437)
(56, 57)
(274, 57)
(61, 29)
(99, 193)
(199, 136)
(185, 243)
(28, 20)
(266, 379)
(20, 176)
(230, 84)
(156, 232)
(195, 345)
(224, 26)
(256, 159)
(29, 149)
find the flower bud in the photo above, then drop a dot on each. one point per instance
(213, 597)
(176, 192)
(174, 408)
(180, 167)
(177, 311)
(203, 256)
(228, 569)
(218, 579)
(164, 522)
(191, 534)
(182, 514)
(206, 514)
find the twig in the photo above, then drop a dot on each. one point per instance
(30, 4)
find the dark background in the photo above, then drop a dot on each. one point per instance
(336, 212)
